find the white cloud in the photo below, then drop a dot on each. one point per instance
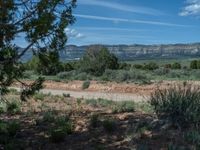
(192, 8)
(72, 33)
(122, 7)
(129, 20)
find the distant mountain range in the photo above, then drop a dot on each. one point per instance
(132, 52)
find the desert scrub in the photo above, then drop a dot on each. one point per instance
(99, 102)
(63, 126)
(40, 96)
(14, 107)
(125, 75)
(124, 106)
(179, 103)
(109, 125)
(85, 85)
(193, 137)
(94, 120)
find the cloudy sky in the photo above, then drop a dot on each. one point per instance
(135, 21)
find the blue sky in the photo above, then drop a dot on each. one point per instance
(135, 21)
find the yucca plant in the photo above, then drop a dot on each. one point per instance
(179, 103)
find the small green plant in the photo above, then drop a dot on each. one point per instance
(57, 135)
(94, 120)
(39, 96)
(61, 120)
(66, 95)
(124, 106)
(193, 137)
(2, 107)
(85, 85)
(13, 107)
(13, 127)
(49, 117)
(109, 125)
(172, 147)
(63, 126)
(79, 101)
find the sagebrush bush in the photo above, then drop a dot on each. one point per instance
(94, 120)
(57, 135)
(85, 85)
(109, 125)
(124, 106)
(179, 103)
(13, 107)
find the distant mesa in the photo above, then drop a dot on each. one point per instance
(132, 52)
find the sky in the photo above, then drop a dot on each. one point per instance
(135, 22)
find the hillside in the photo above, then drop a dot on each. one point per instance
(131, 52)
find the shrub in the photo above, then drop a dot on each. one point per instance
(193, 64)
(94, 120)
(13, 107)
(99, 102)
(63, 126)
(85, 85)
(124, 75)
(13, 127)
(57, 135)
(39, 96)
(180, 104)
(176, 65)
(193, 137)
(138, 66)
(124, 106)
(98, 58)
(151, 66)
(124, 66)
(109, 125)
(48, 117)
(161, 71)
(66, 95)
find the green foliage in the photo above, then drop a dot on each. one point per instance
(94, 120)
(66, 95)
(180, 104)
(138, 66)
(124, 106)
(193, 64)
(176, 65)
(123, 75)
(42, 25)
(99, 102)
(13, 107)
(49, 117)
(97, 59)
(151, 66)
(193, 137)
(63, 126)
(39, 96)
(13, 127)
(8, 130)
(109, 125)
(124, 66)
(57, 135)
(85, 85)
(74, 75)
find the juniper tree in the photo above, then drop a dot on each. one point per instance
(42, 24)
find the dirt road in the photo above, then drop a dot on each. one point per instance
(96, 95)
(106, 90)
